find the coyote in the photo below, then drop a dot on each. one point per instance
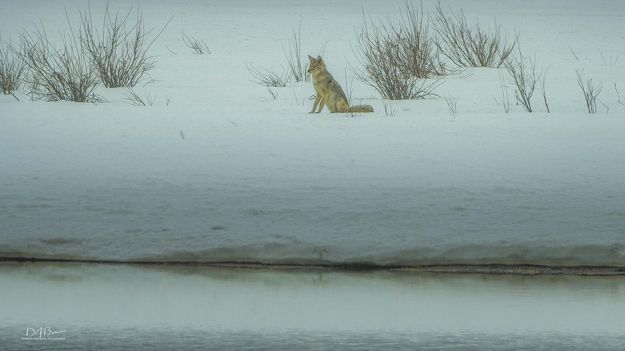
(329, 91)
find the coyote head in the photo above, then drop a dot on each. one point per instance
(316, 64)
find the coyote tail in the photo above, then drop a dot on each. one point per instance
(360, 108)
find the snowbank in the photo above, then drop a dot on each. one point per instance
(217, 170)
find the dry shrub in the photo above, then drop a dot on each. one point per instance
(470, 46)
(522, 72)
(12, 69)
(197, 46)
(297, 64)
(58, 72)
(269, 78)
(119, 50)
(590, 91)
(399, 58)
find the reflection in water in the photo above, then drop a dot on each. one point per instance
(162, 339)
(117, 307)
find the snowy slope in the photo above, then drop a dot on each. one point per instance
(218, 170)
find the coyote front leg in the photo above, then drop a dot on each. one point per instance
(317, 99)
(321, 104)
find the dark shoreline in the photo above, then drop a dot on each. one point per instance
(490, 268)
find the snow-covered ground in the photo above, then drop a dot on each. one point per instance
(216, 169)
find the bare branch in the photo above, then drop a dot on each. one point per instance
(505, 97)
(298, 66)
(120, 50)
(399, 58)
(618, 96)
(12, 69)
(522, 71)
(543, 89)
(590, 91)
(137, 100)
(470, 46)
(452, 105)
(199, 47)
(269, 78)
(58, 73)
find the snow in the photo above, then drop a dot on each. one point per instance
(216, 169)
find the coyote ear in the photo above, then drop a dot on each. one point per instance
(311, 58)
(319, 58)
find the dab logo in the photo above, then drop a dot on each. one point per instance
(43, 333)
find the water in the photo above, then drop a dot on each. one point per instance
(157, 339)
(190, 308)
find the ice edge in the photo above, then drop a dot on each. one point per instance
(491, 268)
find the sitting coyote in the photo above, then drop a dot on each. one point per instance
(329, 91)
